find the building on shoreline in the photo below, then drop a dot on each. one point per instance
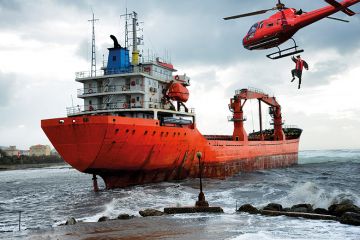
(11, 151)
(40, 150)
(36, 150)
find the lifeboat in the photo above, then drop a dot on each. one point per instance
(178, 92)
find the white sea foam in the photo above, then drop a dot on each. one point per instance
(110, 211)
(256, 235)
(322, 156)
(310, 192)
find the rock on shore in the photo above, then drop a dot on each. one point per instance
(350, 218)
(273, 207)
(341, 208)
(70, 221)
(345, 212)
(151, 212)
(248, 208)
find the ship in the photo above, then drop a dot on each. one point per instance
(135, 127)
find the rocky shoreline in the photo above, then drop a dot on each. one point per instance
(161, 225)
(345, 212)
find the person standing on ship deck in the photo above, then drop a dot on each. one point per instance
(300, 64)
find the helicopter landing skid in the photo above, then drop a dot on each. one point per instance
(285, 52)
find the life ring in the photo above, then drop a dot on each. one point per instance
(90, 91)
(125, 105)
(177, 77)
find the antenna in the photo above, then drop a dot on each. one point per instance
(132, 22)
(93, 53)
(127, 16)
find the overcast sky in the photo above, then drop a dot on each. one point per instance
(43, 44)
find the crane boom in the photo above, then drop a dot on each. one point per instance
(236, 106)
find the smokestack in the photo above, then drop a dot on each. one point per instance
(116, 43)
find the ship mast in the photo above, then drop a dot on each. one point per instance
(135, 52)
(93, 53)
(136, 41)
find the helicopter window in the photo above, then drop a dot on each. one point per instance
(261, 24)
(270, 24)
(253, 28)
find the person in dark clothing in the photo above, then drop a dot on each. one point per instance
(300, 64)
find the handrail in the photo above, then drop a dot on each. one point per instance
(109, 72)
(290, 126)
(109, 88)
(93, 108)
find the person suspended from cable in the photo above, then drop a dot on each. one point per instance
(300, 64)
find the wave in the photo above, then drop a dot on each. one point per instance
(318, 196)
(322, 156)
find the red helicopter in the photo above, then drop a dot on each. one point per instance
(281, 26)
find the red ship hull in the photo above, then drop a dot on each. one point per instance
(130, 151)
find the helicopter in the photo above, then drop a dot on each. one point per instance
(282, 26)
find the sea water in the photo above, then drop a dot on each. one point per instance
(48, 196)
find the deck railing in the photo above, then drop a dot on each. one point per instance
(93, 108)
(110, 88)
(109, 72)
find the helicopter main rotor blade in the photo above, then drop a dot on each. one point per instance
(248, 14)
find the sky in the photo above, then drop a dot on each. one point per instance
(43, 43)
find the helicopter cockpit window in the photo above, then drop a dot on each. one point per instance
(261, 24)
(253, 29)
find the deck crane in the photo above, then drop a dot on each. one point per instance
(237, 104)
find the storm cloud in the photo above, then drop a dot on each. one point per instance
(7, 87)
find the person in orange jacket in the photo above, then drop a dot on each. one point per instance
(300, 64)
